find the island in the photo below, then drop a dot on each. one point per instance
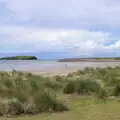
(19, 58)
(112, 59)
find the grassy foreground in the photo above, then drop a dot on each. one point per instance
(81, 110)
(90, 94)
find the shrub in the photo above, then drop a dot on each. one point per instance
(69, 88)
(15, 107)
(29, 108)
(3, 109)
(83, 87)
(87, 87)
(26, 94)
(47, 102)
(102, 94)
(58, 78)
(55, 85)
(70, 74)
(116, 91)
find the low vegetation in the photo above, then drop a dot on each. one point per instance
(95, 80)
(22, 93)
(19, 58)
(25, 93)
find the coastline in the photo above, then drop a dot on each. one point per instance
(60, 71)
(53, 68)
(88, 60)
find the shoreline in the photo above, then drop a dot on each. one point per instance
(59, 71)
(86, 60)
(51, 69)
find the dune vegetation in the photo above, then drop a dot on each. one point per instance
(80, 94)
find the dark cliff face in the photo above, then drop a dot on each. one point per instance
(19, 58)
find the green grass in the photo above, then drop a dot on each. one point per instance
(22, 93)
(81, 108)
(90, 94)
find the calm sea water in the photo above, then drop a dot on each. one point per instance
(29, 65)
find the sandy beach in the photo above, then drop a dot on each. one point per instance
(63, 71)
(51, 67)
(54, 71)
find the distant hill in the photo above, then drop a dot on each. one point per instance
(19, 58)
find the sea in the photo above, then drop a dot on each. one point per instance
(31, 65)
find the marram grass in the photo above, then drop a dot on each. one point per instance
(25, 93)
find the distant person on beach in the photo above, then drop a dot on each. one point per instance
(66, 66)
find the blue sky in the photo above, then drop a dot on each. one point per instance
(60, 28)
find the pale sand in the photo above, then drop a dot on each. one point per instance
(65, 70)
(54, 71)
(57, 71)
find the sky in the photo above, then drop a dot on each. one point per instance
(60, 28)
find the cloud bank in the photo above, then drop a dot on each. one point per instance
(79, 28)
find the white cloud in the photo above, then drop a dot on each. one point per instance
(76, 42)
(88, 12)
(83, 13)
